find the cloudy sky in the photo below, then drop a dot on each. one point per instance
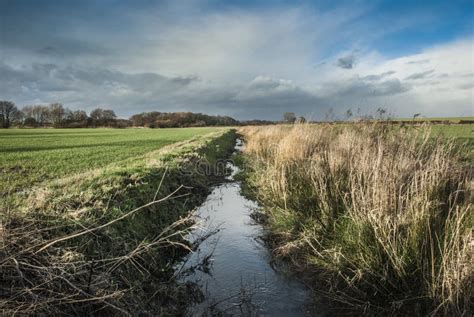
(246, 59)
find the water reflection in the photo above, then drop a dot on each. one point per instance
(239, 279)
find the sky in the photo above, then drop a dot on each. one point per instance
(245, 59)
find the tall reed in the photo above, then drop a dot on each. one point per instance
(383, 214)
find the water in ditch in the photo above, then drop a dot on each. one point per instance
(240, 278)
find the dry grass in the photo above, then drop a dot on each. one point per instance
(382, 214)
(41, 276)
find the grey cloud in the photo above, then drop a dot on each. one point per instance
(185, 80)
(279, 95)
(54, 29)
(391, 87)
(265, 93)
(346, 62)
(422, 61)
(467, 75)
(87, 88)
(420, 75)
(379, 76)
(466, 86)
(359, 88)
(116, 53)
(262, 85)
(81, 87)
(49, 82)
(47, 50)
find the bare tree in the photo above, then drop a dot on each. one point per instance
(7, 112)
(36, 112)
(18, 117)
(103, 116)
(289, 117)
(77, 116)
(301, 119)
(27, 111)
(381, 112)
(329, 115)
(56, 112)
(349, 114)
(96, 114)
(108, 115)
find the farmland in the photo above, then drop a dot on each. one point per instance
(377, 214)
(31, 156)
(443, 119)
(101, 217)
(460, 132)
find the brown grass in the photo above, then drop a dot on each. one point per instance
(382, 214)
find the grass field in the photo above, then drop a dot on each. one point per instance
(462, 134)
(31, 156)
(105, 239)
(450, 119)
(320, 185)
(459, 131)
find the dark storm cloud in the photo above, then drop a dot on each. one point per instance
(270, 92)
(66, 31)
(38, 25)
(63, 48)
(420, 75)
(346, 62)
(130, 93)
(269, 97)
(265, 93)
(49, 82)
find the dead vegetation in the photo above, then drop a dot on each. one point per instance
(41, 276)
(381, 214)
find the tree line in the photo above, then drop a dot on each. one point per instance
(157, 119)
(57, 116)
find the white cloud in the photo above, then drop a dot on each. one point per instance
(436, 76)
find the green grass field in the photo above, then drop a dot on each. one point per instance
(131, 194)
(462, 131)
(450, 119)
(463, 134)
(31, 156)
